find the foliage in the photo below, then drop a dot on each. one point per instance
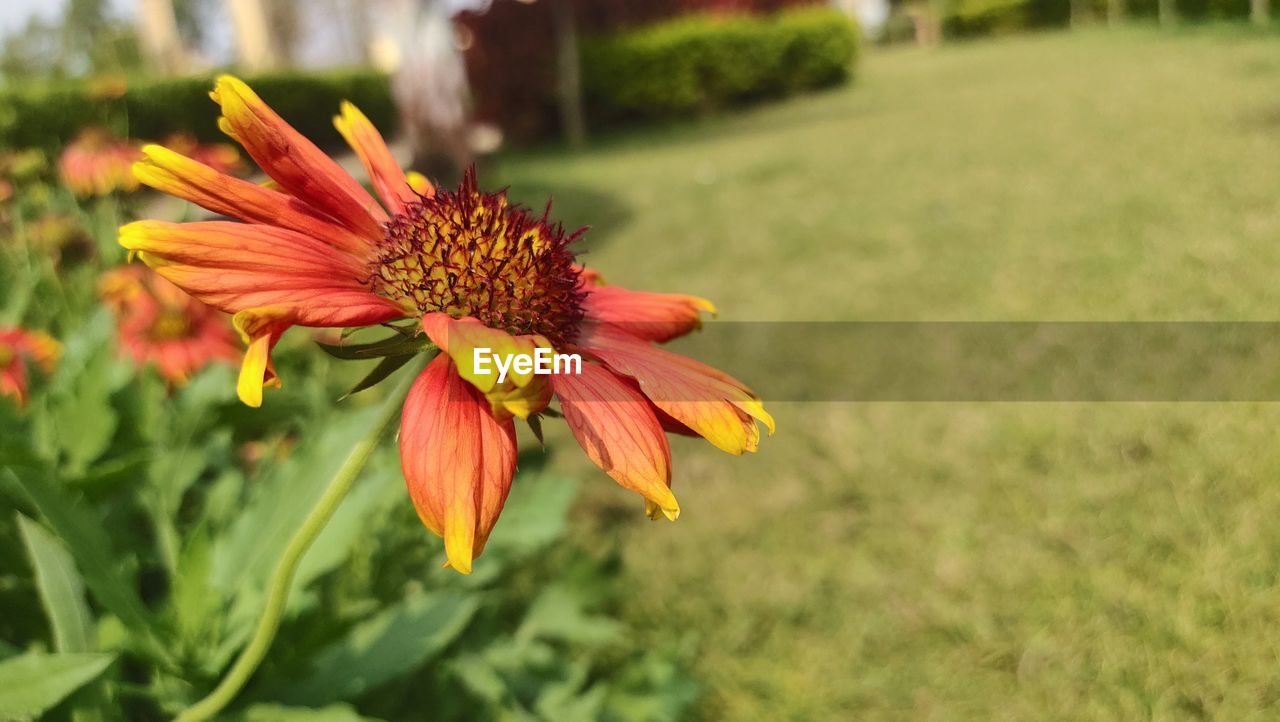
(49, 115)
(699, 63)
(140, 525)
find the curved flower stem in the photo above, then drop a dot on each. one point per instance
(282, 577)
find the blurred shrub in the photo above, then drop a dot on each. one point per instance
(705, 62)
(48, 116)
(976, 18)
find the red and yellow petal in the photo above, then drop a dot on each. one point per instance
(616, 427)
(294, 162)
(260, 328)
(458, 460)
(712, 403)
(236, 266)
(179, 176)
(657, 317)
(387, 176)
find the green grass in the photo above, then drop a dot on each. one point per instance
(966, 561)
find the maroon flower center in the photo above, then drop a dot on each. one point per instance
(474, 254)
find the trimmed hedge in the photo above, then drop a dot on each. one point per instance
(49, 117)
(677, 68)
(700, 63)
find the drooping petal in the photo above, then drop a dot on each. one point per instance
(387, 176)
(260, 328)
(236, 266)
(657, 317)
(618, 430)
(458, 460)
(721, 409)
(185, 178)
(294, 162)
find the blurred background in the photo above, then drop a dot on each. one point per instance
(863, 160)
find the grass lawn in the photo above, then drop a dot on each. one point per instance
(965, 561)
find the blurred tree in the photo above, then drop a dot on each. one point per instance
(35, 51)
(1168, 12)
(284, 27)
(95, 42)
(431, 89)
(569, 72)
(1115, 12)
(1260, 12)
(160, 37)
(193, 21)
(254, 46)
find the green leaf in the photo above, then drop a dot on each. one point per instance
(278, 713)
(61, 588)
(390, 645)
(558, 613)
(245, 555)
(397, 345)
(90, 546)
(32, 683)
(535, 515)
(385, 368)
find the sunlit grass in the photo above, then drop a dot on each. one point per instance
(979, 561)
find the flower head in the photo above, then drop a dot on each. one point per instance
(18, 350)
(158, 323)
(97, 163)
(474, 272)
(60, 237)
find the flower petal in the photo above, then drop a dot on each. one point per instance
(294, 162)
(657, 317)
(387, 176)
(458, 460)
(616, 427)
(237, 266)
(707, 400)
(260, 328)
(190, 180)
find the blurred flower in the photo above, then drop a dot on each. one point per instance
(6, 190)
(59, 237)
(157, 323)
(18, 349)
(97, 163)
(22, 165)
(474, 271)
(222, 157)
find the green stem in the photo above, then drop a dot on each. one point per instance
(282, 578)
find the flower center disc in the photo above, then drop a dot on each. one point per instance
(474, 254)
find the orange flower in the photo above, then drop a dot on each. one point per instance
(97, 163)
(475, 272)
(157, 323)
(18, 349)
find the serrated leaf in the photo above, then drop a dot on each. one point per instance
(31, 684)
(61, 588)
(386, 647)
